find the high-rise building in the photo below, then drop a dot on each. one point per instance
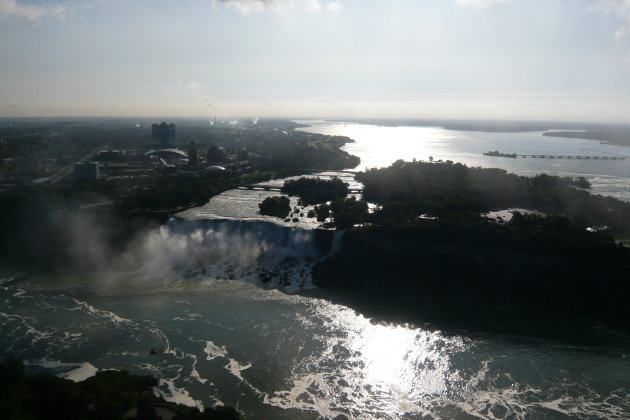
(163, 134)
(192, 155)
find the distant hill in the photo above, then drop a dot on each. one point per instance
(619, 135)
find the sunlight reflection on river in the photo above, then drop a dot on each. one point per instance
(282, 356)
(364, 368)
(380, 146)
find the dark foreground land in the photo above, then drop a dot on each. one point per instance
(108, 395)
(429, 239)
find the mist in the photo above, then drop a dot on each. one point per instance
(148, 256)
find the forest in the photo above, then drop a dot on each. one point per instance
(406, 190)
(428, 237)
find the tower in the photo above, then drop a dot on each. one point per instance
(192, 155)
(163, 134)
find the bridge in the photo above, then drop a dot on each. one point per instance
(575, 157)
(267, 187)
(259, 187)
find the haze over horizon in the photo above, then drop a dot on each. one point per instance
(434, 59)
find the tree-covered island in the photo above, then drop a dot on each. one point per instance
(316, 190)
(275, 206)
(428, 237)
(496, 153)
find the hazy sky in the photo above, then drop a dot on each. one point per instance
(493, 59)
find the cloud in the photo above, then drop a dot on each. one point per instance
(621, 8)
(334, 6)
(31, 13)
(281, 6)
(618, 8)
(194, 87)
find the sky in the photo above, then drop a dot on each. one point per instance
(566, 60)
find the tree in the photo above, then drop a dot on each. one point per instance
(275, 206)
(349, 212)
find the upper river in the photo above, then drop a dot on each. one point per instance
(190, 293)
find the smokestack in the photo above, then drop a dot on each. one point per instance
(212, 108)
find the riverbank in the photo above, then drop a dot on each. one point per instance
(500, 278)
(108, 395)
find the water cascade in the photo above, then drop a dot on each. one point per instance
(336, 242)
(256, 251)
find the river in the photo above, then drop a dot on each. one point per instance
(379, 146)
(185, 303)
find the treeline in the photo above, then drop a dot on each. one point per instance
(171, 192)
(295, 156)
(316, 190)
(275, 146)
(279, 206)
(108, 395)
(617, 134)
(344, 213)
(409, 189)
(331, 197)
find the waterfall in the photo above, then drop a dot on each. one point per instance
(250, 250)
(336, 242)
(289, 241)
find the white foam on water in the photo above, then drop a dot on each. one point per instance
(75, 372)
(301, 396)
(23, 325)
(187, 317)
(194, 373)
(175, 394)
(100, 313)
(235, 368)
(213, 351)
(167, 389)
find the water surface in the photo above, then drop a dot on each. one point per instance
(380, 146)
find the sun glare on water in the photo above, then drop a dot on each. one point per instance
(365, 367)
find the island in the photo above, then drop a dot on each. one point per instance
(428, 237)
(316, 190)
(275, 206)
(496, 153)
